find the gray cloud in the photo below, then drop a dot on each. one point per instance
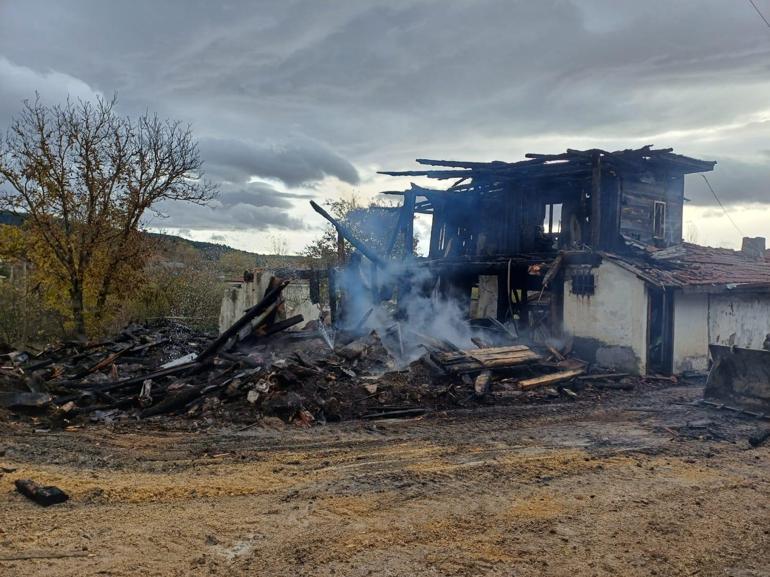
(734, 181)
(234, 217)
(295, 163)
(19, 83)
(253, 206)
(297, 90)
(255, 194)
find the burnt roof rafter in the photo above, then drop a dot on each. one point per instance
(572, 163)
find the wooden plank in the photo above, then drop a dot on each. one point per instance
(485, 358)
(453, 356)
(511, 361)
(551, 379)
(481, 359)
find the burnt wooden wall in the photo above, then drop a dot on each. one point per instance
(639, 193)
(506, 222)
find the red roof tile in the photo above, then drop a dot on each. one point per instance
(689, 264)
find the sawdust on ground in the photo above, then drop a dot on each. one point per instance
(567, 494)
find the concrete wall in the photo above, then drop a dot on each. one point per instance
(691, 332)
(242, 296)
(609, 327)
(745, 316)
(700, 319)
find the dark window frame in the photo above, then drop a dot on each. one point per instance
(583, 284)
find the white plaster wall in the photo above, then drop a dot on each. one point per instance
(691, 332)
(297, 302)
(237, 299)
(616, 314)
(746, 316)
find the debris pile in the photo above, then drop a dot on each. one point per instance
(257, 368)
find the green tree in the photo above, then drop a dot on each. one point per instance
(84, 176)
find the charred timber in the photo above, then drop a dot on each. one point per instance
(349, 236)
(221, 341)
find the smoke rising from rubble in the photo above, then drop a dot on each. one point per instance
(421, 312)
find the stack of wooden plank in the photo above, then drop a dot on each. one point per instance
(485, 361)
(471, 361)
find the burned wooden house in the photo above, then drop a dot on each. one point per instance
(577, 199)
(577, 244)
(502, 223)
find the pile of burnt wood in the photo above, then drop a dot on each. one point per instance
(258, 368)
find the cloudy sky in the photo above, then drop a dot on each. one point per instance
(293, 100)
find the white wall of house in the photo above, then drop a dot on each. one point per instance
(614, 317)
(746, 316)
(691, 332)
(242, 296)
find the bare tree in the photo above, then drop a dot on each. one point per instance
(83, 176)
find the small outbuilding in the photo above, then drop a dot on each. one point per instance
(658, 310)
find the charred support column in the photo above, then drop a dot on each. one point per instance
(503, 296)
(409, 200)
(606, 192)
(332, 279)
(523, 282)
(340, 249)
(596, 200)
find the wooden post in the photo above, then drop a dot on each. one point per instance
(409, 199)
(596, 200)
(332, 283)
(503, 296)
(436, 229)
(340, 249)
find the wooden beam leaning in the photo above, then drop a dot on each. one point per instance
(349, 236)
(221, 341)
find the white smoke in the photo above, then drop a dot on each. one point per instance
(415, 314)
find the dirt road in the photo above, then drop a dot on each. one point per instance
(632, 485)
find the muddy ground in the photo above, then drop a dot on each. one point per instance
(631, 484)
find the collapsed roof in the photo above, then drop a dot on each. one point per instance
(696, 268)
(572, 164)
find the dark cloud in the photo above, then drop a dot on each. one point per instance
(254, 206)
(734, 181)
(234, 217)
(295, 163)
(298, 90)
(255, 194)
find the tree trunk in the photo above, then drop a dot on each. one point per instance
(76, 303)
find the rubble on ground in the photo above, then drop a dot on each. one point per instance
(303, 376)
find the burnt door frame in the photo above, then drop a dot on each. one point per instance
(660, 330)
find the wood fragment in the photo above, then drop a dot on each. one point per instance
(557, 355)
(479, 359)
(395, 414)
(222, 340)
(601, 376)
(481, 384)
(29, 555)
(42, 495)
(550, 379)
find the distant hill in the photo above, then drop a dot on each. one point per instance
(208, 251)
(11, 219)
